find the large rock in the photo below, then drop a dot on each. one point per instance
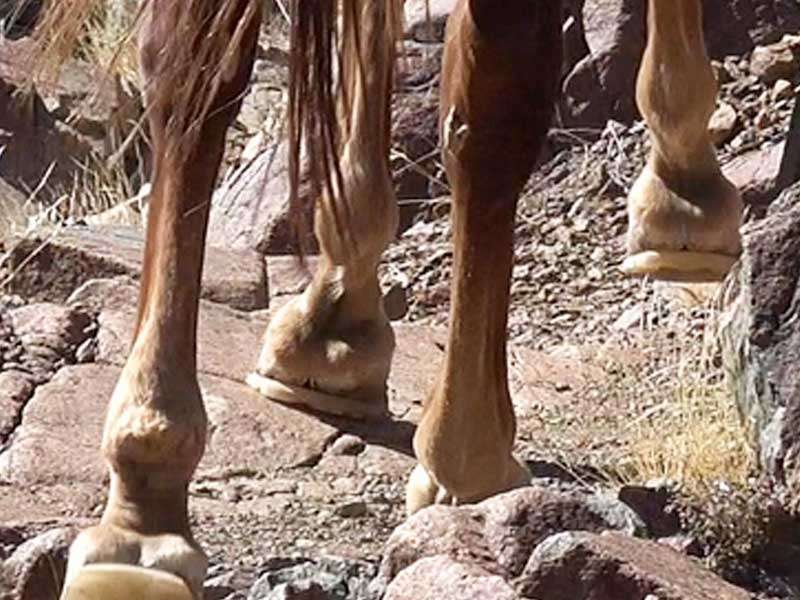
(499, 534)
(38, 147)
(761, 339)
(51, 267)
(587, 566)
(775, 61)
(58, 440)
(228, 340)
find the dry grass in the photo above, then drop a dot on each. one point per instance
(97, 31)
(691, 433)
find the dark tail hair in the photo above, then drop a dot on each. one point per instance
(318, 102)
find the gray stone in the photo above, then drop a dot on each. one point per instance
(324, 578)
(722, 124)
(773, 62)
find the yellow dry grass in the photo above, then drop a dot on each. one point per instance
(692, 434)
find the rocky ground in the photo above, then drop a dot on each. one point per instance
(291, 505)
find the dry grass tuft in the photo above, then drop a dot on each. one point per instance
(97, 31)
(691, 433)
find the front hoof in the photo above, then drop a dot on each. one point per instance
(423, 490)
(665, 265)
(105, 581)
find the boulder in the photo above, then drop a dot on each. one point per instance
(586, 566)
(498, 535)
(37, 145)
(250, 210)
(601, 85)
(761, 339)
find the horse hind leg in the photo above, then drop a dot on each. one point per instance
(683, 214)
(499, 80)
(196, 60)
(331, 348)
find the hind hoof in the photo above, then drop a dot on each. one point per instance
(679, 266)
(316, 400)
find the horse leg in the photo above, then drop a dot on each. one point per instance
(331, 348)
(683, 214)
(196, 60)
(499, 80)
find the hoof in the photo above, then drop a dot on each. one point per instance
(423, 490)
(106, 581)
(316, 400)
(679, 266)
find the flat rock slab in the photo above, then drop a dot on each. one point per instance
(59, 438)
(51, 266)
(229, 341)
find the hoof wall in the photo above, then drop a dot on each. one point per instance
(679, 266)
(107, 581)
(316, 400)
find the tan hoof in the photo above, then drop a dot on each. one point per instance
(319, 401)
(422, 491)
(125, 582)
(679, 266)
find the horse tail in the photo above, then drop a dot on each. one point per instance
(328, 59)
